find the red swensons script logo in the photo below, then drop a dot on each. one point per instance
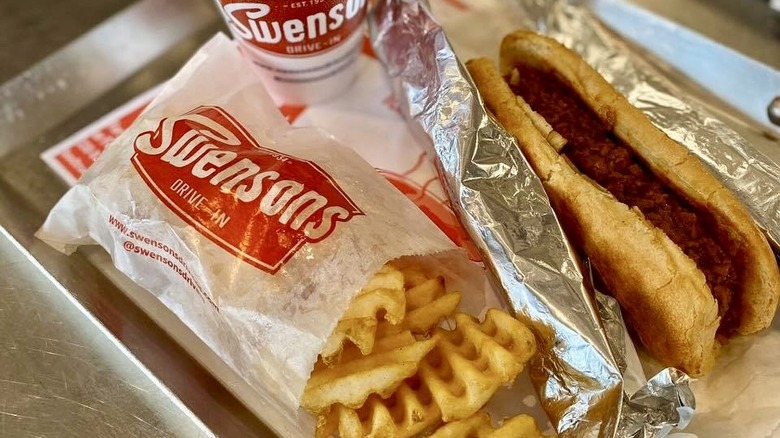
(256, 203)
(294, 27)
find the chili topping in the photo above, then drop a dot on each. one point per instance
(598, 153)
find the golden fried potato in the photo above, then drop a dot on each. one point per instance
(470, 363)
(382, 297)
(479, 426)
(379, 376)
(357, 376)
(409, 412)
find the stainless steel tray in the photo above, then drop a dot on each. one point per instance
(78, 354)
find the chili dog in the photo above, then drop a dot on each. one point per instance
(677, 250)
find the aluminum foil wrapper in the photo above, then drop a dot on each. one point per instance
(754, 177)
(587, 376)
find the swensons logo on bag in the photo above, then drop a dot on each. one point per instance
(256, 203)
(295, 27)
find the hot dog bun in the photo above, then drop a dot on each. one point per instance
(664, 294)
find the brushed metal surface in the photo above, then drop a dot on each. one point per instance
(750, 27)
(64, 375)
(61, 374)
(66, 81)
(748, 84)
(38, 29)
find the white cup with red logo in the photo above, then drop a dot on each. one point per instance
(305, 50)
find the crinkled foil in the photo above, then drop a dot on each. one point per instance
(752, 176)
(582, 371)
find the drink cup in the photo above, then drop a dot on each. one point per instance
(305, 50)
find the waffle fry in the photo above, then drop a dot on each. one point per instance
(382, 295)
(360, 331)
(413, 276)
(427, 304)
(519, 426)
(385, 382)
(409, 412)
(357, 376)
(327, 423)
(388, 277)
(471, 362)
(479, 426)
(424, 292)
